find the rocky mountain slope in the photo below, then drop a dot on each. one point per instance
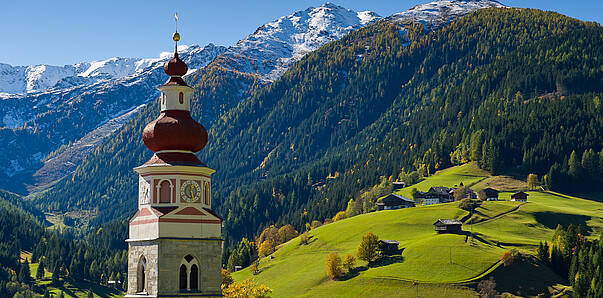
(61, 106)
(318, 117)
(275, 46)
(36, 123)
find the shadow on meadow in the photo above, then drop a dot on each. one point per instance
(552, 219)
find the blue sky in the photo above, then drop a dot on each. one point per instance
(66, 32)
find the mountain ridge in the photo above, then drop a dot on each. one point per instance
(25, 123)
(312, 134)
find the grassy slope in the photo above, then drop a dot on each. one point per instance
(469, 174)
(436, 261)
(70, 289)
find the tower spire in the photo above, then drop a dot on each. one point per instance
(175, 239)
(176, 36)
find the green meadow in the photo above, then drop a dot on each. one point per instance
(68, 288)
(430, 263)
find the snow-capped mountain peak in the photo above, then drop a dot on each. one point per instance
(440, 12)
(276, 45)
(39, 78)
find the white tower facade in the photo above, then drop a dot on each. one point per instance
(175, 239)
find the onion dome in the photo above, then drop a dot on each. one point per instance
(175, 67)
(175, 130)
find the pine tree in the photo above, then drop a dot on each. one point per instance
(24, 272)
(351, 208)
(46, 293)
(574, 165)
(533, 181)
(55, 275)
(543, 252)
(40, 271)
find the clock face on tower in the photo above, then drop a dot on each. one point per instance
(190, 191)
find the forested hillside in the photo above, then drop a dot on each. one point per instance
(105, 181)
(100, 256)
(513, 89)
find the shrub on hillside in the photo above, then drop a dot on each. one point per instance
(315, 224)
(487, 288)
(226, 278)
(286, 233)
(508, 257)
(255, 267)
(266, 248)
(268, 234)
(333, 266)
(533, 181)
(339, 216)
(469, 204)
(369, 248)
(349, 261)
(303, 239)
(246, 288)
(460, 193)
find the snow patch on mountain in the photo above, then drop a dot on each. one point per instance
(78, 105)
(438, 13)
(38, 78)
(275, 46)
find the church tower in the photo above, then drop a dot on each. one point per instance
(175, 239)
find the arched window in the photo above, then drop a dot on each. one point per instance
(165, 192)
(141, 279)
(189, 274)
(181, 98)
(183, 280)
(194, 277)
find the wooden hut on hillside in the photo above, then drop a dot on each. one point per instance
(388, 247)
(394, 201)
(488, 194)
(447, 226)
(519, 197)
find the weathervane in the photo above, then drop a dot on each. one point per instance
(176, 36)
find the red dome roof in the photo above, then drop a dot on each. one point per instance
(175, 130)
(175, 67)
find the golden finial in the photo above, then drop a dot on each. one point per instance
(176, 35)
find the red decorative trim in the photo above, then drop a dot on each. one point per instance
(144, 221)
(182, 220)
(133, 216)
(173, 190)
(171, 173)
(190, 211)
(155, 181)
(145, 212)
(174, 220)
